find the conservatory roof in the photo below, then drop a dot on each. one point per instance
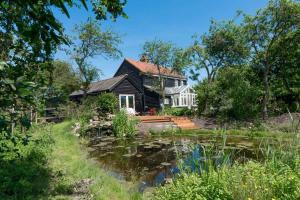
(175, 90)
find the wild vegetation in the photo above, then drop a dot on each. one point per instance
(123, 125)
(275, 178)
(53, 164)
(246, 69)
(252, 73)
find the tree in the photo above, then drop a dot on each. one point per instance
(62, 81)
(232, 95)
(264, 32)
(29, 35)
(164, 54)
(92, 42)
(221, 47)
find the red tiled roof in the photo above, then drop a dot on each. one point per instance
(152, 69)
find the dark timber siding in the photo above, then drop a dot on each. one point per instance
(170, 82)
(144, 98)
(151, 99)
(133, 73)
(126, 87)
(150, 81)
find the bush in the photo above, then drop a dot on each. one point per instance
(24, 172)
(124, 126)
(278, 177)
(107, 103)
(231, 96)
(250, 181)
(79, 111)
(178, 111)
(90, 106)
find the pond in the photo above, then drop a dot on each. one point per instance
(152, 161)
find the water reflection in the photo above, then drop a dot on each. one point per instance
(154, 161)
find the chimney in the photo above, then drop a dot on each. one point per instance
(144, 58)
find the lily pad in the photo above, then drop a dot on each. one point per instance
(166, 164)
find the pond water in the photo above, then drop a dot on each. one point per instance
(152, 161)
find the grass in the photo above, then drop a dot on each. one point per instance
(49, 162)
(70, 161)
(219, 132)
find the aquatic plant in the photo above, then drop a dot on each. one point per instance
(123, 125)
(278, 177)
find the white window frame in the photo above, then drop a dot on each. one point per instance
(167, 101)
(127, 101)
(187, 98)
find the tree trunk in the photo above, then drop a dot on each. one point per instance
(266, 95)
(209, 82)
(162, 89)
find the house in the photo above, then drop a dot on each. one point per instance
(135, 83)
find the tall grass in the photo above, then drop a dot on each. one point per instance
(276, 177)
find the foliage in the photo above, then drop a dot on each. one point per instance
(107, 103)
(71, 164)
(89, 107)
(267, 43)
(252, 181)
(24, 173)
(30, 35)
(91, 42)
(178, 111)
(62, 82)
(276, 178)
(231, 96)
(123, 125)
(221, 47)
(51, 165)
(272, 27)
(83, 110)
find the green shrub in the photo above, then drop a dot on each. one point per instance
(107, 103)
(90, 106)
(232, 95)
(124, 126)
(250, 181)
(80, 111)
(178, 111)
(192, 186)
(276, 178)
(24, 172)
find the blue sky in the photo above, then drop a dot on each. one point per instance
(169, 20)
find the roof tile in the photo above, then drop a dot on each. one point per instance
(152, 69)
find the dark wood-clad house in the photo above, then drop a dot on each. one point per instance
(134, 85)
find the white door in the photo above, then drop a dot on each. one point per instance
(127, 101)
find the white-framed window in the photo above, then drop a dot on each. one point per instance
(127, 101)
(167, 101)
